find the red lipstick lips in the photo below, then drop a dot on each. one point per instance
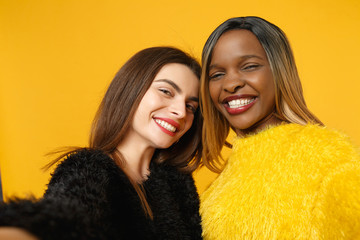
(168, 121)
(241, 109)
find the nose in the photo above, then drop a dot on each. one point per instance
(233, 82)
(178, 109)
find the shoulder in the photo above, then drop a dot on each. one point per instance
(172, 195)
(164, 172)
(86, 156)
(295, 132)
(166, 180)
(86, 172)
(317, 133)
(326, 143)
(85, 161)
(293, 149)
(311, 139)
(311, 132)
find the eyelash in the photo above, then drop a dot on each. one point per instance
(166, 92)
(169, 93)
(248, 67)
(192, 108)
(216, 75)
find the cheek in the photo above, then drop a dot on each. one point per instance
(214, 91)
(269, 92)
(150, 101)
(189, 121)
(188, 124)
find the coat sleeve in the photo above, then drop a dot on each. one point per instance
(47, 219)
(337, 207)
(338, 204)
(83, 178)
(75, 199)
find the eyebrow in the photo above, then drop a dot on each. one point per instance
(242, 57)
(176, 87)
(171, 83)
(195, 99)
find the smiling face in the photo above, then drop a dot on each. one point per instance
(167, 109)
(241, 84)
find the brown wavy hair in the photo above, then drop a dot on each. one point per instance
(290, 104)
(116, 111)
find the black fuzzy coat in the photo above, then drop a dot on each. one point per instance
(89, 197)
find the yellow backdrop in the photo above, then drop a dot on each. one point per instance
(57, 58)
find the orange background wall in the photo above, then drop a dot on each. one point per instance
(57, 58)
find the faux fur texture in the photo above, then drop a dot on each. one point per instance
(89, 197)
(286, 182)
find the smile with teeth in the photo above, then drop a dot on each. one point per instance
(166, 125)
(236, 103)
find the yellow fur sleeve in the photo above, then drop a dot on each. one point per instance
(337, 208)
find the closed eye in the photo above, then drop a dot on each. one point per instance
(191, 108)
(166, 91)
(250, 67)
(216, 76)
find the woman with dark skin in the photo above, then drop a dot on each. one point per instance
(134, 180)
(288, 176)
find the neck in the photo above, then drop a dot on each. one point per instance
(269, 120)
(137, 157)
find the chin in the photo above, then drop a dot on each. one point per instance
(243, 122)
(163, 145)
(242, 129)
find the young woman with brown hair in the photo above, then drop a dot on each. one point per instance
(134, 180)
(288, 177)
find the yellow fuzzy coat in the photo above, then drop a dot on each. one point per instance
(286, 182)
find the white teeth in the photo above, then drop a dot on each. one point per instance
(166, 125)
(236, 103)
